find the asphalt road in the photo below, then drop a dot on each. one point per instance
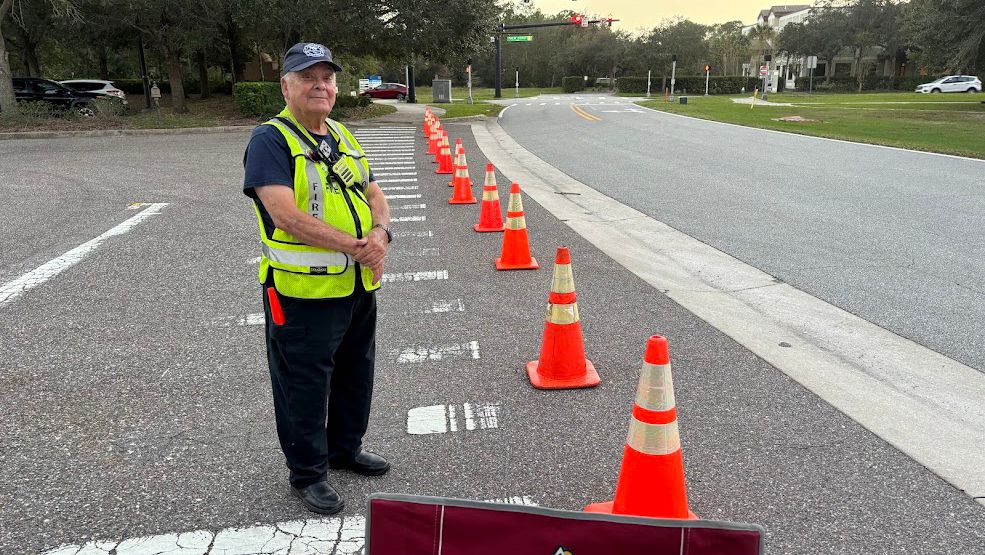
(892, 236)
(135, 404)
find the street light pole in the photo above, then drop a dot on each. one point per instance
(498, 39)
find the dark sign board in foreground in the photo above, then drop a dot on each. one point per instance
(412, 525)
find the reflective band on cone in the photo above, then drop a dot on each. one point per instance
(444, 157)
(490, 213)
(516, 246)
(461, 182)
(651, 480)
(562, 363)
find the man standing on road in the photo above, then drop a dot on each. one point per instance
(323, 228)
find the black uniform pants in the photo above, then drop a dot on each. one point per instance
(325, 350)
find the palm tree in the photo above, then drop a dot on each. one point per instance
(763, 34)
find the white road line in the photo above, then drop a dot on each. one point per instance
(393, 166)
(336, 535)
(255, 319)
(441, 419)
(401, 188)
(410, 207)
(415, 276)
(921, 402)
(398, 180)
(13, 289)
(398, 197)
(409, 219)
(423, 353)
(389, 174)
(438, 307)
(406, 234)
(341, 536)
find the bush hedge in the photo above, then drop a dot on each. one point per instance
(573, 83)
(264, 100)
(258, 99)
(871, 83)
(696, 85)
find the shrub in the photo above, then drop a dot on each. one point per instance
(634, 85)
(258, 99)
(573, 84)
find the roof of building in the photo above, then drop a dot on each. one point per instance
(780, 11)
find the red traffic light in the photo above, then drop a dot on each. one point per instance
(707, 67)
(577, 19)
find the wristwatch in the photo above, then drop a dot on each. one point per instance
(389, 236)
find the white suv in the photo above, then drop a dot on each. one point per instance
(952, 83)
(96, 87)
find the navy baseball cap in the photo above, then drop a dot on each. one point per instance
(306, 54)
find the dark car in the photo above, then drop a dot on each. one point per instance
(35, 89)
(387, 90)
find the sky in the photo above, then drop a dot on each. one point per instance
(634, 14)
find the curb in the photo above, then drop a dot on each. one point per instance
(124, 132)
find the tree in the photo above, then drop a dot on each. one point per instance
(870, 28)
(946, 36)
(763, 35)
(727, 45)
(58, 8)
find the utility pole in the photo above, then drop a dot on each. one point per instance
(498, 39)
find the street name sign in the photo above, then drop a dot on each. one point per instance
(519, 38)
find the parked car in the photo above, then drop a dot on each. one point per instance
(96, 87)
(387, 90)
(952, 83)
(35, 89)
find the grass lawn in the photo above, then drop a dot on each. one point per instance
(950, 124)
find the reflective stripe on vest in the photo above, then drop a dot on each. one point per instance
(302, 258)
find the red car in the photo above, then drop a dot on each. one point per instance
(387, 90)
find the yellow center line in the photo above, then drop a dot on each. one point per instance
(582, 113)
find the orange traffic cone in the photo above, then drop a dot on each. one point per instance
(426, 128)
(442, 137)
(444, 156)
(651, 481)
(490, 214)
(461, 161)
(463, 185)
(434, 141)
(562, 363)
(516, 247)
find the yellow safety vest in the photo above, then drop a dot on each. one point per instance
(303, 271)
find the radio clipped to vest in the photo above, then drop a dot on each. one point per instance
(342, 167)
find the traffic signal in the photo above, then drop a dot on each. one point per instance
(577, 19)
(609, 21)
(707, 68)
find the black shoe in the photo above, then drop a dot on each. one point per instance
(320, 498)
(365, 463)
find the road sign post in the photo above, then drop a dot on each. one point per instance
(673, 75)
(707, 77)
(517, 81)
(468, 70)
(648, 73)
(811, 64)
(764, 71)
